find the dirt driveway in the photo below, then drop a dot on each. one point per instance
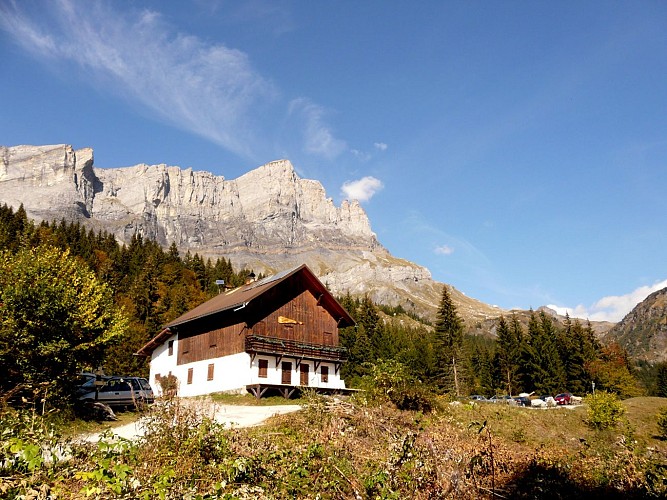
(228, 415)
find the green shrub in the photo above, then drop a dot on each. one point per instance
(391, 380)
(605, 410)
(662, 423)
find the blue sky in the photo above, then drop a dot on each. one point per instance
(516, 149)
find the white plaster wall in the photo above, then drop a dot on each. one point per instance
(230, 373)
(274, 373)
(162, 363)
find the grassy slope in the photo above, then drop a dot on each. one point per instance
(642, 414)
(566, 426)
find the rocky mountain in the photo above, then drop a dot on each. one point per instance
(267, 220)
(643, 331)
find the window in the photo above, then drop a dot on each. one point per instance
(171, 348)
(263, 368)
(190, 372)
(210, 371)
(324, 372)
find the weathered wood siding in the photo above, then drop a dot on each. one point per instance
(209, 340)
(318, 326)
(224, 334)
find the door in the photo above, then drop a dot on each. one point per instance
(287, 373)
(304, 374)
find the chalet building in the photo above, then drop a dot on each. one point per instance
(280, 333)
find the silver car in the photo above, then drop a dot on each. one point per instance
(118, 391)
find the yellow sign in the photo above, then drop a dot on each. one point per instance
(288, 321)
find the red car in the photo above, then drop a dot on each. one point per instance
(564, 398)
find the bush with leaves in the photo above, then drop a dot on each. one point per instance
(662, 423)
(605, 410)
(392, 380)
(55, 317)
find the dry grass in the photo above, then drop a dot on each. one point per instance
(642, 414)
(347, 449)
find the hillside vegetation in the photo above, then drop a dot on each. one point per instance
(359, 448)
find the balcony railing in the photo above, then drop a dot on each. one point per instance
(274, 345)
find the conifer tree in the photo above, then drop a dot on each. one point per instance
(575, 351)
(508, 344)
(368, 317)
(541, 367)
(449, 342)
(661, 380)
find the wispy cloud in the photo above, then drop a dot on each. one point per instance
(205, 88)
(362, 189)
(360, 155)
(443, 250)
(365, 156)
(318, 136)
(613, 307)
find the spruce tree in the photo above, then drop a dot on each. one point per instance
(661, 380)
(449, 342)
(508, 344)
(541, 367)
(574, 349)
(368, 317)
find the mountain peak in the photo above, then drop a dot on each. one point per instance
(268, 219)
(643, 331)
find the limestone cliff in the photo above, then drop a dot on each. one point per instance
(268, 219)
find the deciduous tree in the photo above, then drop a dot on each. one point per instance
(55, 318)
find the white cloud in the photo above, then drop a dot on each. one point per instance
(611, 308)
(362, 189)
(444, 250)
(381, 146)
(205, 88)
(318, 137)
(360, 155)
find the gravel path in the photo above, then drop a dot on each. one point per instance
(229, 415)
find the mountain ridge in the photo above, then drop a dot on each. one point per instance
(267, 219)
(643, 331)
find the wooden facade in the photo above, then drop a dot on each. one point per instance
(306, 327)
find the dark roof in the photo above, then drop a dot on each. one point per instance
(240, 297)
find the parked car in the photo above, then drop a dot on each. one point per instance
(118, 391)
(522, 400)
(564, 398)
(479, 398)
(501, 399)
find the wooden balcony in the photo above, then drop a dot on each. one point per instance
(257, 344)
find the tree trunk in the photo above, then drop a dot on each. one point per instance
(456, 379)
